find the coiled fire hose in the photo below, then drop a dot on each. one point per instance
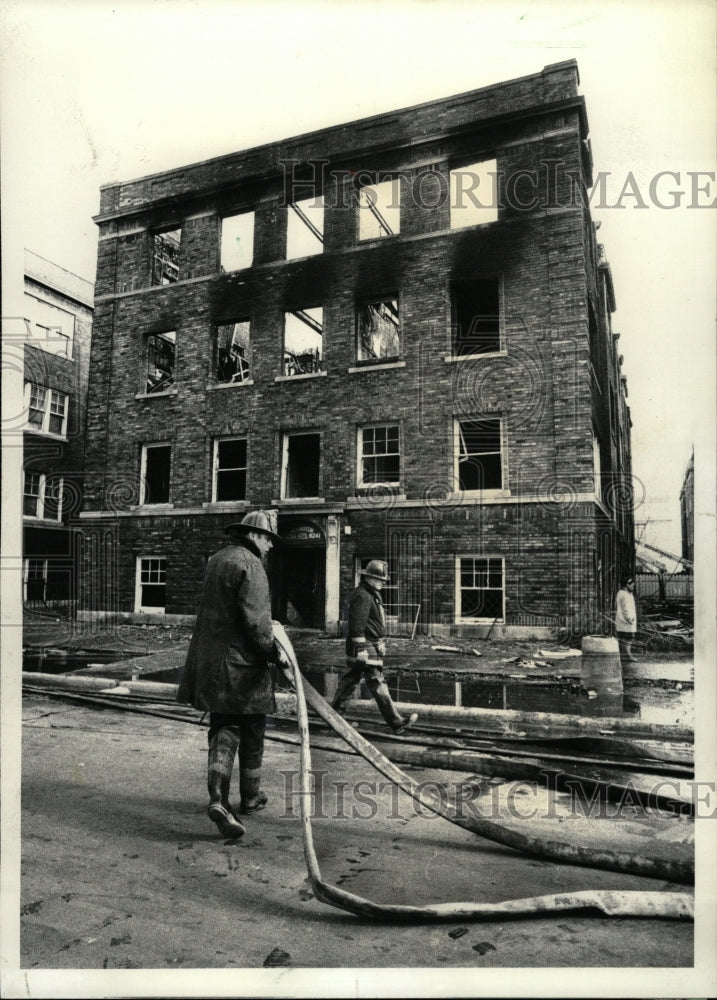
(666, 904)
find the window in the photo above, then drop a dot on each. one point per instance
(237, 242)
(47, 409)
(379, 456)
(42, 496)
(597, 465)
(476, 317)
(380, 210)
(156, 465)
(35, 580)
(478, 451)
(151, 588)
(303, 341)
(233, 352)
(474, 194)
(479, 589)
(161, 350)
(305, 228)
(389, 593)
(230, 464)
(377, 330)
(165, 257)
(301, 465)
(51, 328)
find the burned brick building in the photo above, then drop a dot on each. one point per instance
(395, 335)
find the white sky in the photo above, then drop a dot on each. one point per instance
(93, 94)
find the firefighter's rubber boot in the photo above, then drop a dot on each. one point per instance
(252, 800)
(222, 750)
(397, 722)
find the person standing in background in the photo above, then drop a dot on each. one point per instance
(626, 618)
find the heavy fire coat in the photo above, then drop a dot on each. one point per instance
(226, 667)
(367, 625)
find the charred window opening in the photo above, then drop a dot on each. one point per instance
(480, 588)
(233, 352)
(476, 317)
(156, 462)
(230, 468)
(303, 341)
(305, 228)
(35, 579)
(237, 242)
(480, 464)
(378, 330)
(302, 458)
(380, 210)
(380, 456)
(151, 583)
(165, 257)
(161, 350)
(474, 194)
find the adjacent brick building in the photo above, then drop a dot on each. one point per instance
(393, 334)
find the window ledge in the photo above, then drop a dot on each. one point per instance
(368, 240)
(229, 385)
(477, 495)
(149, 507)
(293, 378)
(45, 434)
(298, 501)
(479, 621)
(368, 367)
(155, 395)
(452, 358)
(225, 505)
(42, 521)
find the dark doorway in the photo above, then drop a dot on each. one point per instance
(302, 587)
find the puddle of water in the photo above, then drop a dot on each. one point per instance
(60, 661)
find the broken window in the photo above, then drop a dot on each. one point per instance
(230, 464)
(303, 341)
(51, 328)
(476, 317)
(302, 458)
(35, 579)
(380, 457)
(165, 257)
(47, 409)
(161, 349)
(156, 466)
(380, 210)
(474, 194)
(305, 228)
(480, 465)
(151, 584)
(378, 330)
(233, 352)
(237, 242)
(480, 589)
(42, 496)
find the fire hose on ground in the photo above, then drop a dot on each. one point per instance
(665, 904)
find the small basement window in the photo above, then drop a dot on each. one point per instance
(480, 464)
(305, 228)
(474, 194)
(233, 352)
(161, 349)
(378, 331)
(230, 465)
(237, 242)
(303, 341)
(380, 209)
(379, 456)
(480, 589)
(476, 317)
(155, 475)
(301, 465)
(151, 584)
(165, 257)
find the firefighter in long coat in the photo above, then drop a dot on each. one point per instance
(365, 648)
(227, 673)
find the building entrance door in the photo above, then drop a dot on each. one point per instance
(301, 583)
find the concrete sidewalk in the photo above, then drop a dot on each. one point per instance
(123, 870)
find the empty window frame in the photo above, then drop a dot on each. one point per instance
(42, 496)
(389, 593)
(474, 194)
(47, 409)
(380, 210)
(237, 242)
(34, 579)
(165, 256)
(161, 354)
(51, 328)
(479, 461)
(230, 469)
(378, 331)
(303, 341)
(155, 473)
(233, 354)
(480, 589)
(305, 228)
(476, 317)
(301, 465)
(379, 455)
(151, 584)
